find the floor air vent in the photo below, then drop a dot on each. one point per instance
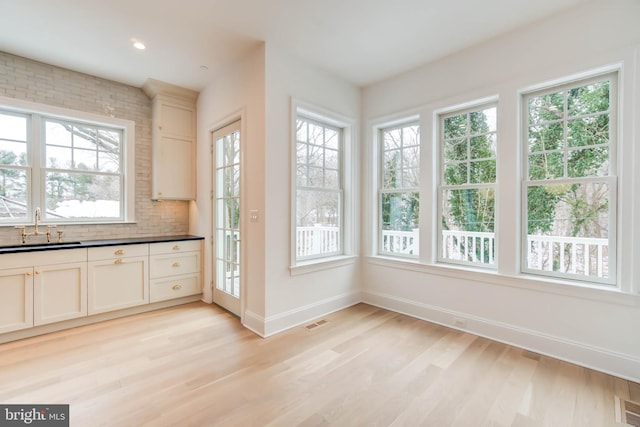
(315, 325)
(627, 412)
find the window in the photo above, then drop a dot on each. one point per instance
(319, 189)
(468, 142)
(569, 181)
(14, 167)
(73, 170)
(399, 190)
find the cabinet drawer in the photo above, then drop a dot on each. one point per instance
(115, 252)
(174, 264)
(174, 247)
(29, 259)
(175, 287)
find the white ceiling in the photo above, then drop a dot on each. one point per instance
(363, 41)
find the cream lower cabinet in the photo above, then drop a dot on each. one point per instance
(43, 287)
(117, 277)
(16, 299)
(48, 287)
(174, 270)
(60, 290)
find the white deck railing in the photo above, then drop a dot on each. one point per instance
(400, 242)
(227, 255)
(317, 240)
(471, 246)
(576, 255)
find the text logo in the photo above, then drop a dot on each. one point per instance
(34, 415)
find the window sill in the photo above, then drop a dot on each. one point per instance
(574, 289)
(321, 264)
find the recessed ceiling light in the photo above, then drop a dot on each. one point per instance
(139, 45)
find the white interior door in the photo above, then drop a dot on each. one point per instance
(226, 208)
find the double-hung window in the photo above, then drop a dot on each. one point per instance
(14, 166)
(467, 186)
(319, 187)
(399, 190)
(570, 186)
(72, 170)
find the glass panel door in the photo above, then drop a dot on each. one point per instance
(226, 152)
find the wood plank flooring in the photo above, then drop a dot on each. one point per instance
(194, 365)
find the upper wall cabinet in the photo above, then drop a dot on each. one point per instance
(174, 141)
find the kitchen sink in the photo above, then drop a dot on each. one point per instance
(39, 245)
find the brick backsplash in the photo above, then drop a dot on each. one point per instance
(33, 81)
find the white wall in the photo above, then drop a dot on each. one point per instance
(291, 300)
(592, 327)
(260, 88)
(236, 93)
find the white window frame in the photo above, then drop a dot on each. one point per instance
(348, 174)
(380, 130)
(441, 115)
(36, 114)
(611, 180)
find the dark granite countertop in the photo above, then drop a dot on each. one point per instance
(33, 247)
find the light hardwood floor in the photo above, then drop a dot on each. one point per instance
(194, 365)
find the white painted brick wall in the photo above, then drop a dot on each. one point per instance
(46, 84)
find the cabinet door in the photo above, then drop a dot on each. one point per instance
(59, 293)
(117, 284)
(174, 150)
(176, 118)
(16, 299)
(174, 169)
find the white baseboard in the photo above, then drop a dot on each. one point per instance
(272, 325)
(600, 359)
(253, 322)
